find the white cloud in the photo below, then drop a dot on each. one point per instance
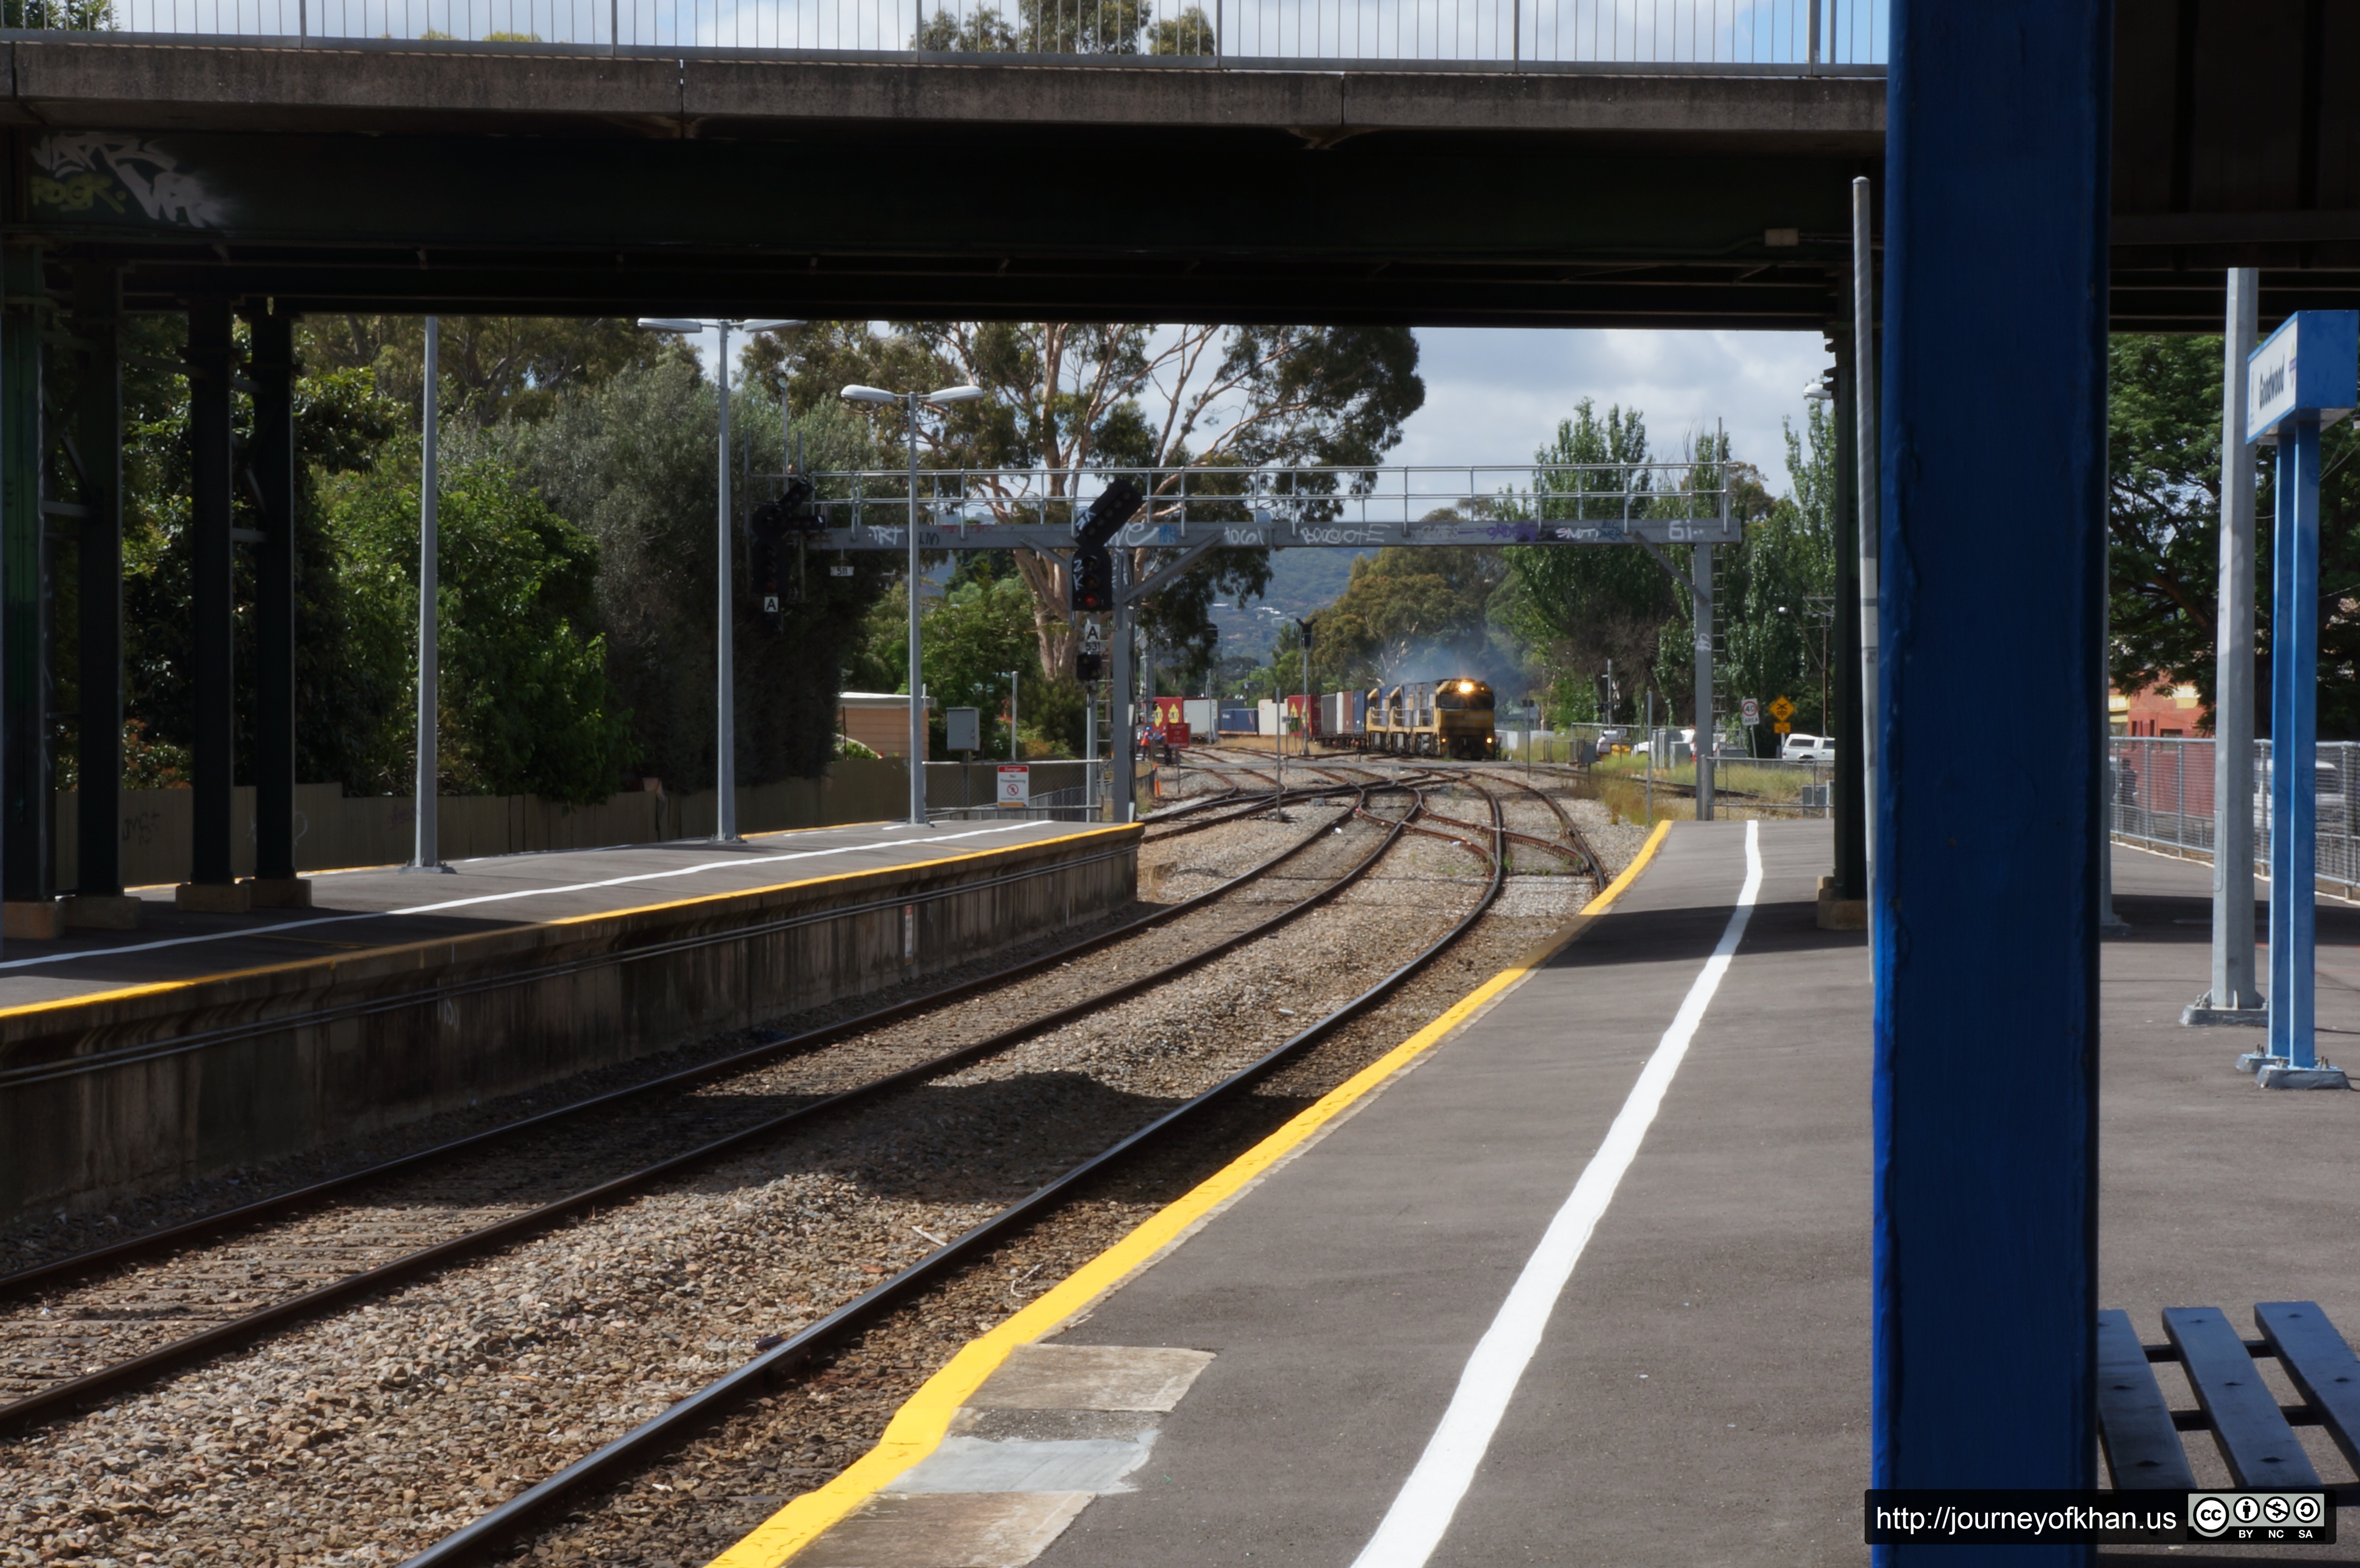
(1493, 395)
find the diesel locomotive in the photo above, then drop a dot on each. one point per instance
(1431, 718)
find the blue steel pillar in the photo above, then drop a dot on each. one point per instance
(2294, 733)
(1985, 897)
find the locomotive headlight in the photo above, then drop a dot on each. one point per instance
(1466, 685)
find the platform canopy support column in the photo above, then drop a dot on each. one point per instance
(212, 877)
(270, 457)
(1985, 902)
(97, 464)
(26, 864)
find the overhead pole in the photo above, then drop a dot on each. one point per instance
(1864, 455)
(725, 621)
(425, 852)
(2234, 998)
(917, 674)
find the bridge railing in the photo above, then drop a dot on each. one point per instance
(1743, 36)
(1508, 498)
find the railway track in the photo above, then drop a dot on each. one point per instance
(604, 1464)
(502, 1525)
(120, 1307)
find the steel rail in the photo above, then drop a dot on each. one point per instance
(138, 1369)
(646, 1440)
(1573, 834)
(720, 1067)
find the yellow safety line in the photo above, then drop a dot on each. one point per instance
(918, 1428)
(157, 988)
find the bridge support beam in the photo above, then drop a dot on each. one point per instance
(271, 456)
(27, 865)
(97, 463)
(212, 584)
(1985, 907)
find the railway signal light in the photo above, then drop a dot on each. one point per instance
(1090, 665)
(1114, 507)
(1092, 580)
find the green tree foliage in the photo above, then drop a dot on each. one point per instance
(493, 367)
(1415, 613)
(1778, 631)
(525, 704)
(2164, 534)
(346, 685)
(631, 460)
(1066, 396)
(1065, 26)
(1587, 604)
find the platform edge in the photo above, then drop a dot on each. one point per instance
(918, 1428)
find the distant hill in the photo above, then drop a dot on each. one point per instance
(1301, 581)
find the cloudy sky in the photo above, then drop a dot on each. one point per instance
(1494, 395)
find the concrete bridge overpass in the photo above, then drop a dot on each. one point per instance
(512, 177)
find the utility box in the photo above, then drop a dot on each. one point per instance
(962, 729)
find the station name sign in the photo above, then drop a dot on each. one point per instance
(2311, 365)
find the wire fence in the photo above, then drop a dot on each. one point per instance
(1783, 35)
(2160, 792)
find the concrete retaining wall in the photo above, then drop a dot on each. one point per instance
(335, 832)
(138, 1090)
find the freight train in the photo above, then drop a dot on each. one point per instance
(1428, 718)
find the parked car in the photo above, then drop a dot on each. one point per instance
(1807, 748)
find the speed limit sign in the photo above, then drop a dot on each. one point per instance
(1752, 712)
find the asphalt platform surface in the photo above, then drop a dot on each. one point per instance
(1701, 1393)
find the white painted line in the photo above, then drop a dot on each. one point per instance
(1422, 1510)
(480, 898)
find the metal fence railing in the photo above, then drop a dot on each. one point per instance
(2160, 792)
(1776, 36)
(1064, 791)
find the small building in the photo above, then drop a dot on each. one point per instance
(2174, 711)
(878, 720)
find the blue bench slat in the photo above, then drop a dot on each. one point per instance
(2320, 1365)
(2135, 1425)
(2254, 1438)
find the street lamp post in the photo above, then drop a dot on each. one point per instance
(857, 394)
(1012, 675)
(725, 755)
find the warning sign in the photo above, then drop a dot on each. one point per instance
(1781, 709)
(1015, 784)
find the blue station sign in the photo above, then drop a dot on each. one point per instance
(2309, 365)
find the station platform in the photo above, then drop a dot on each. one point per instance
(384, 906)
(1493, 1311)
(203, 1041)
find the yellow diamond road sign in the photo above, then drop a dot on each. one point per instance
(1781, 709)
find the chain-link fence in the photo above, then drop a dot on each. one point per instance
(1065, 792)
(2160, 792)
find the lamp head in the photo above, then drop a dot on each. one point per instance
(767, 325)
(669, 324)
(867, 395)
(956, 395)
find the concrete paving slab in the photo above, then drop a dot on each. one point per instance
(1091, 1377)
(947, 1530)
(354, 911)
